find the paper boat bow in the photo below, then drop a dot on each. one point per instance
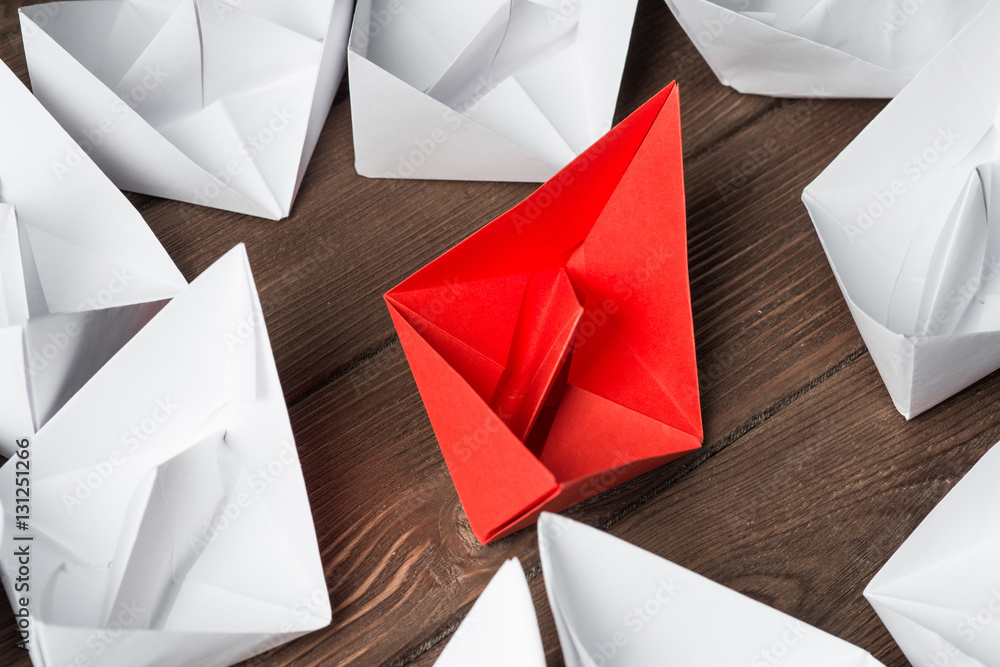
(939, 594)
(554, 349)
(501, 628)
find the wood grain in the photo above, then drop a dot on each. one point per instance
(808, 479)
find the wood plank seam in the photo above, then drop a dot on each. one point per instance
(750, 122)
(445, 631)
(744, 429)
(150, 204)
(344, 369)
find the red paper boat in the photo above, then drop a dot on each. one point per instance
(554, 349)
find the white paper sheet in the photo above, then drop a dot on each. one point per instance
(213, 102)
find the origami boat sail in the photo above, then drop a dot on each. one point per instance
(939, 594)
(554, 349)
(80, 272)
(214, 102)
(614, 603)
(821, 48)
(908, 217)
(505, 90)
(501, 629)
(168, 511)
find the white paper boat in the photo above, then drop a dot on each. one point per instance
(908, 216)
(821, 48)
(80, 272)
(496, 90)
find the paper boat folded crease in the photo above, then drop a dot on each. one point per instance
(80, 272)
(168, 517)
(909, 216)
(213, 102)
(821, 48)
(500, 90)
(615, 604)
(939, 594)
(554, 349)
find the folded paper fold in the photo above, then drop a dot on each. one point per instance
(614, 603)
(554, 349)
(505, 90)
(939, 594)
(501, 629)
(213, 102)
(907, 217)
(168, 508)
(80, 272)
(820, 48)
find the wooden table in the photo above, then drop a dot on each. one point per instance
(808, 480)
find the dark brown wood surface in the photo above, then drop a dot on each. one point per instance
(808, 481)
